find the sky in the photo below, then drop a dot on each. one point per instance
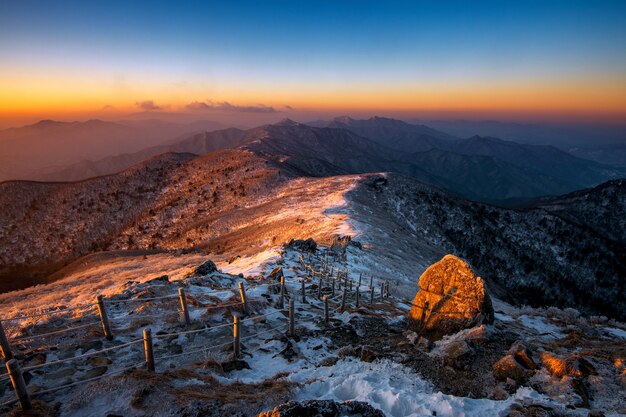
(502, 59)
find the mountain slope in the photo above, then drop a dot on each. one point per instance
(33, 152)
(342, 151)
(392, 133)
(200, 143)
(547, 160)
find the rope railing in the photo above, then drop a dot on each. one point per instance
(206, 329)
(84, 381)
(47, 313)
(192, 352)
(139, 300)
(39, 336)
(84, 355)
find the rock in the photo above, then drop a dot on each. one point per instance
(36, 359)
(235, 365)
(346, 351)
(206, 268)
(308, 245)
(522, 355)
(323, 408)
(508, 367)
(577, 366)
(595, 413)
(89, 345)
(366, 354)
(94, 372)
(329, 361)
(451, 298)
(99, 361)
(276, 274)
(162, 278)
(456, 354)
(289, 352)
(61, 373)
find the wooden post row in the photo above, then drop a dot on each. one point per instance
(17, 380)
(326, 315)
(5, 347)
(244, 300)
(147, 346)
(106, 326)
(236, 346)
(281, 303)
(183, 305)
(319, 288)
(292, 319)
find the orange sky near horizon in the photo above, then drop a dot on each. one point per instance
(85, 97)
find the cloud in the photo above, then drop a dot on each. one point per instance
(288, 107)
(228, 107)
(197, 105)
(148, 105)
(108, 107)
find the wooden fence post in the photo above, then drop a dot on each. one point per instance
(235, 336)
(360, 275)
(106, 326)
(350, 285)
(244, 300)
(281, 303)
(358, 294)
(371, 281)
(332, 287)
(17, 379)
(183, 305)
(5, 347)
(292, 319)
(343, 299)
(371, 295)
(319, 289)
(382, 291)
(303, 293)
(147, 347)
(326, 316)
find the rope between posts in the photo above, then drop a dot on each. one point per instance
(206, 329)
(84, 355)
(261, 316)
(176, 355)
(139, 300)
(224, 305)
(10, 402)
(84, 381)
(273, 329)
(48, 313)
(39, 336)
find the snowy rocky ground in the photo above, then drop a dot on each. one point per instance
(365, 354)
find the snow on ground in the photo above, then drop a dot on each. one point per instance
(541, 326)
(618, 333)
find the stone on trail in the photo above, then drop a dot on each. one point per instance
(451, 298)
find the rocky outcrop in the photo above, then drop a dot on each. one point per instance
(323, 408)
(451, 298)
(308, 245)
(206, 268)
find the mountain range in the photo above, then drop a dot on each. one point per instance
(480, 168)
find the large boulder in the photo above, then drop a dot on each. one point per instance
(451, 298)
